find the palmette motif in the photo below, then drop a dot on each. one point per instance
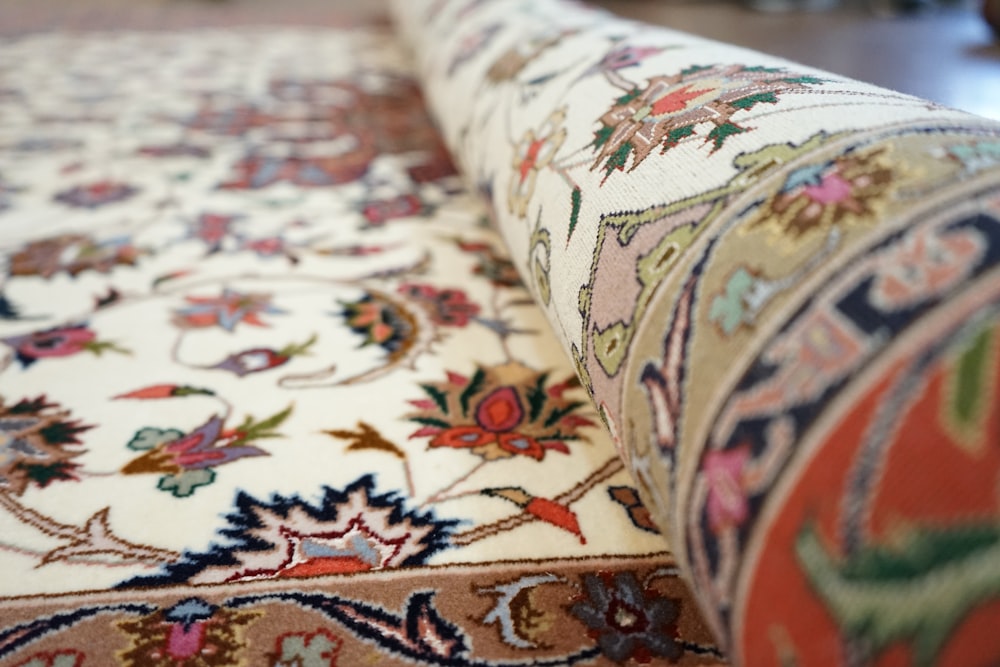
(274, 393)
(778, 287)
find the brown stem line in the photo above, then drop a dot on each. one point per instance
(82, 539)
(37, 520)
(442, 493)
(612, 467)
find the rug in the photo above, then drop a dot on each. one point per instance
(512, 334)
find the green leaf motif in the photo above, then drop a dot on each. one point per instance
(729, 310)
(297, 349)
(602, 135)
(970, 379)
(813, 80)
(675, 135)
(536, 397)
(694, 69)
(251, 430)
(440, 398)
(43, 475)
(917, 590)
(298, 650)
(430, 421)
(148, 438)
(475, 384)
(187, 390)
(750, 101)
(557, 414)
(629, 96)
(183, 484)
(619, 158)
(762, 69)
(576, 199)
(722, 132)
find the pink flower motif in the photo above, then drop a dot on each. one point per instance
(57, 342)
(832, 189)
(727, 501)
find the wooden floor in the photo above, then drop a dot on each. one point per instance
(950, 57)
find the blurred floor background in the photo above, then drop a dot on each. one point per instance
(948, 56)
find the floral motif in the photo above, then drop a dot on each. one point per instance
(192, 632)
(187, 461)
(307, 649)
(391, 120)
(521, 623)
(626, 55)
(516, 58)
(727, 504)
(975, 156)
(270, 246)
(353, 530)
(226, 311)
(531, 154)
(72, 253)
(500, 412)
(95, 195)
(212, 228)
(259, 171)
(58, 342)
(670, 108)
(845, 190)
(550, 511)
(37, 445)
(638, 513)
(628, 620)
(494, 267)
(381, 321)
(449, 307)
(377, 212)
(258, 359)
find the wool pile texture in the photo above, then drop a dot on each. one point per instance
(508, 333)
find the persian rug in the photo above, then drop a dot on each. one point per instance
(513, 334)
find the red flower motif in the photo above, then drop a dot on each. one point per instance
(450, 307)
(500, 412)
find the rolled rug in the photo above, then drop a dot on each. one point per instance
(780, 287)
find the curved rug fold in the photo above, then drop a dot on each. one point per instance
(781, 289)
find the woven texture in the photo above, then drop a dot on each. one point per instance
(273, 393)
(291, 378)
(780, 288)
